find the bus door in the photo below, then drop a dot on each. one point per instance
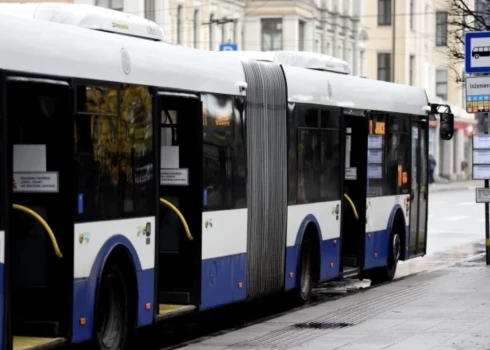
(419, 188)
(180, 209)
(40, 226)
(354, 202)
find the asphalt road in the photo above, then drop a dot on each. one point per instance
(454, 220)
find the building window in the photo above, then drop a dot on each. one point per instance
(384, 12)
(150, 10)
(362, 58)
(196, 29)
(412, 14)
(412, 70)
(211, 33)
(180, 15)
(384, 66)
(301, 35)
(224, 29)
(441, 28)
(441, 84)
(235, 31)
(271, 34)
(117, 5)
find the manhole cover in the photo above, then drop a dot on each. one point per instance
(321, 325)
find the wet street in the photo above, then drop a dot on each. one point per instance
(454, 219)
(456, 231)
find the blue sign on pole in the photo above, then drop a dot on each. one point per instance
(228, 47)
(477, 52)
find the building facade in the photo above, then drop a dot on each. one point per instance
(407, 43)
(325, 26)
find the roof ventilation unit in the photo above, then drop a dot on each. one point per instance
(87, 16)
(303, 59)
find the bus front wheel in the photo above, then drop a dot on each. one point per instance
(387, 273)
(112, 316)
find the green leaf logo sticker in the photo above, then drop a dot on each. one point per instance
(208, 223)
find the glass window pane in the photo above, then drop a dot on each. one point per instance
(308, 166)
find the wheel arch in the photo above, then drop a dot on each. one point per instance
(120, 250)
(310, 228)
(397, 222)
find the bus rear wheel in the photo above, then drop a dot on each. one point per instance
(305, 272)
(112, 316)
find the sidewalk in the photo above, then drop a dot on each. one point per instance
(441, 310)
(455, 186)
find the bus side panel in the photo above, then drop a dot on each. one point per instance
(325, 217)
(378, 216)
(93, 243)
(224, 258)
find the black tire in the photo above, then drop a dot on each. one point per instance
(387, 273)
(305, 272)
(112, 318)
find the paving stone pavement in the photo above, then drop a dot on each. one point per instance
(440, 310)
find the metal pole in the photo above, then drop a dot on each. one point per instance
(487, 222)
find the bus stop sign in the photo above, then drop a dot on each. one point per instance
(477, 52)
(228, 47)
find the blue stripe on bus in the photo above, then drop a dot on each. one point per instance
(84, 291)
(376, 249)
(223, 280)
(329, 262)
(378, 242)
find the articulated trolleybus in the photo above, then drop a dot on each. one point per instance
(198, 179)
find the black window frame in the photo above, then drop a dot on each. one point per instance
(295, 129)
(412, 15)
(442, 28)
(384, 66)
(385, 9)
(388, 185)
(234, 186)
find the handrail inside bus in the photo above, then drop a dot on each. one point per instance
(352, 206)
(181, 217)
(44, 224)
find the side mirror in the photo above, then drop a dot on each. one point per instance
(446, 129)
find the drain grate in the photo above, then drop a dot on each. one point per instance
(321, 325)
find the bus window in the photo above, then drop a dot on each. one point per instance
(224, 152)
(114, 152)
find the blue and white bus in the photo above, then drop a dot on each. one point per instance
(141, 181)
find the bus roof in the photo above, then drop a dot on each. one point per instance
(47, 48)
(68, 51)
(305, 86)
(302, 59)
(86, 16)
